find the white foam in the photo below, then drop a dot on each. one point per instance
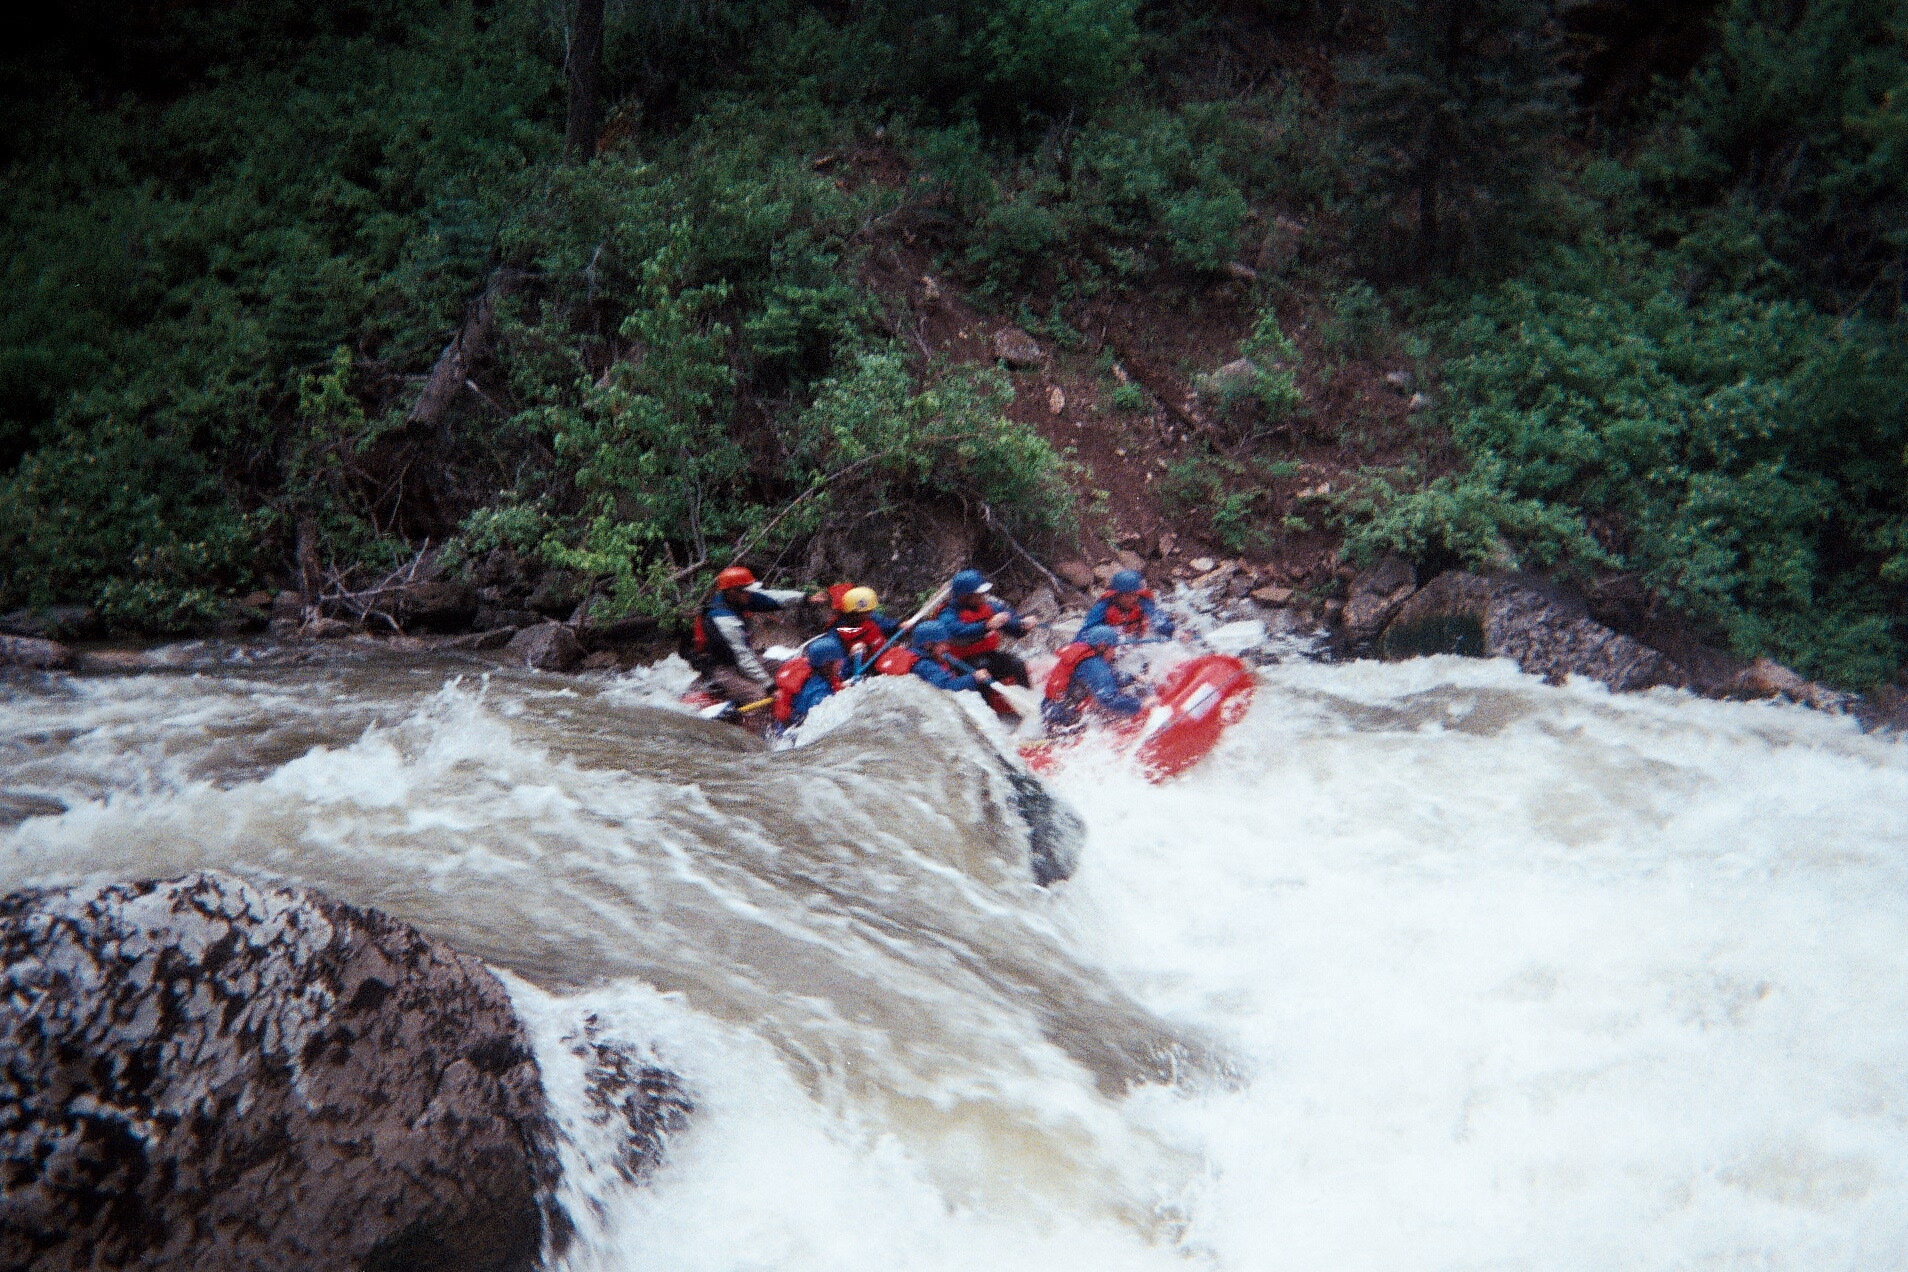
(1511, 976)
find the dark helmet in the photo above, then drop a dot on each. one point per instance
(825, 649)
(971, 583)
(929, 633)
(1128, 581)
(1100, 636)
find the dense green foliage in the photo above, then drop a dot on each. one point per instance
(238, 238)
(1748, 459)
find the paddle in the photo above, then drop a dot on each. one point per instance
(716, 710)
(934, 602)
(1024, 701)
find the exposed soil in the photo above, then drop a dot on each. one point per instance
(1352, 417)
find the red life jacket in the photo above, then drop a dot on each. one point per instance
(975, 609)
(1060, 679)
(1131, 621)
(866, 632)
(789, 679)
(898, 661)
(700, 635)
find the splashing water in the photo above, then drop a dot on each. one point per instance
(1429, 966)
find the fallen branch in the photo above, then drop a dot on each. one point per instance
(362, 603)
(987, 515)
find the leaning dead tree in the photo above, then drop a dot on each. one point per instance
(451, 374)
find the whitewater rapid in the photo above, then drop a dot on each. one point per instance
(1429, 966)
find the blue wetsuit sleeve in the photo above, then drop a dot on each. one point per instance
(812, 691)
(887, 625)
(1105, 687)
(1015, 625)
(1096, 616)
(958, 632)
(1158, 622)
(941, 678)
(760, 603)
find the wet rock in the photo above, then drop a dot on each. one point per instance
(1056, 400)
(1168, 544)
(1376, 595)
(1399, 381)
(105, 661)
(1545, 631)
(204, 1073)
(495, 638)
(1767, 678)
(1202, 565)
(545, 647)
(1217, 576)
(1078, 573)
(557, 594)
(1041, 606)
(40, 655)
(59, 622)
(1418, 402)
(490, 618)
(319, 627)
(624, 631)
(1130, 560)
(1018, 349)
(643, 1102)
(434, 606)
(1272, 594)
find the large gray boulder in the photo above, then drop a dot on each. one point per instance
(205, 1073)
(1544, 630)
(545, 647)
(1376, 596)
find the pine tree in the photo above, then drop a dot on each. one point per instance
(1458, 116)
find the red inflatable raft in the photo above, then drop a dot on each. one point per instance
(1197, 700)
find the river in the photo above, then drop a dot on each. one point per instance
(1429, 966)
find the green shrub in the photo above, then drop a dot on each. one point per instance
(1746, 458)
(1275, 384)
(1359, 325)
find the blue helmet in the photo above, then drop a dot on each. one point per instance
(971, 582)
(930, 633)
(825, 649)
(1100, 636)
(1128, 581)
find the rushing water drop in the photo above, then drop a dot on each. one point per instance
(1429, 966)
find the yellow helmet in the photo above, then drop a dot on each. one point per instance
(859, 600)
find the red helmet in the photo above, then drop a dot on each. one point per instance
(734, 576)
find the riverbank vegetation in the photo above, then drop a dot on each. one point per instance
(296, 292)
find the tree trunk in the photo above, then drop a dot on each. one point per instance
(586, 73)
(1428, 218)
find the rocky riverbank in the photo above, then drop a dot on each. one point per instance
(523, 614)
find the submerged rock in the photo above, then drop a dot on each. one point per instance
(28, 651)
(1543, 630)
(204, 1073)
